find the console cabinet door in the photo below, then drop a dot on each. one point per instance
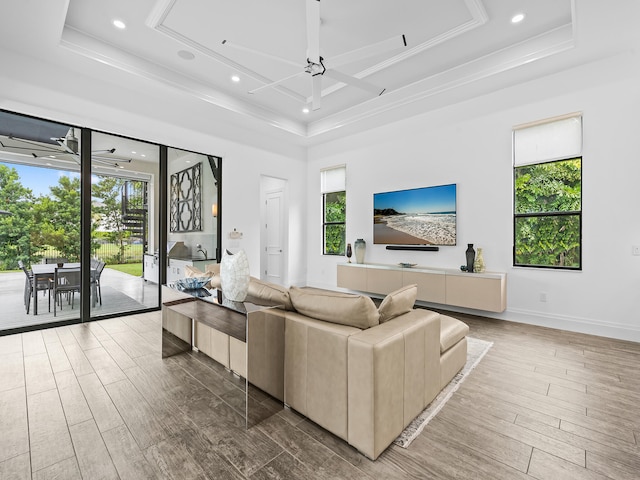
(352, 277)
(431, 286)
(383, 281)
(476, 292)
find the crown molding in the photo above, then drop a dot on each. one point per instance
(90, 47)
(545, 45)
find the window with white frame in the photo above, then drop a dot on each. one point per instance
(333, 189)
(547, 171)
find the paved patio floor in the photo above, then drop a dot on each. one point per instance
(120, 293)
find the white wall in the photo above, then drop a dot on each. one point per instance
(470, 144)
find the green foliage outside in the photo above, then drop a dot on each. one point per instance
(548, 240)
(16, 227)
(335, 209)
(36, 224)
(107, 210)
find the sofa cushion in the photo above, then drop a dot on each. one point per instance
(270, 293)
(335, 307)
(398, 302)
(451, 332)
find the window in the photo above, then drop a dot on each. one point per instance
(548, 193)
(333, 181)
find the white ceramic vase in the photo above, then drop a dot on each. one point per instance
(234, 275)
(360, 247)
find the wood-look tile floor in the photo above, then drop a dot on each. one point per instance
(96, 401)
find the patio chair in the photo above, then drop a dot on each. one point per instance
(66, 280)
(31, 289)
(96, 271)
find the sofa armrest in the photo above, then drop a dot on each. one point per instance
(393, 373)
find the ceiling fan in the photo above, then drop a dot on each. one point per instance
(69, 145)
(317, 66)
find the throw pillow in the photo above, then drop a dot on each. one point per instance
(335, 307)
(269, 293)
(234, 275)
(398, 302)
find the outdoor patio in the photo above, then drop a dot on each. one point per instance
(120, 293)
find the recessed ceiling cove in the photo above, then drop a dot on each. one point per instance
(343, 61)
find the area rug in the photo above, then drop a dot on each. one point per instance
(476, 350)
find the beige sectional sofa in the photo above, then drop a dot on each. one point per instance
(361, 372)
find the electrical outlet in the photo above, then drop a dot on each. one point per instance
(635, 250)
(543, 296)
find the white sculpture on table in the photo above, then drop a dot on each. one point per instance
(234, 275)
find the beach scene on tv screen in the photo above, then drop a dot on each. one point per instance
(420, 216)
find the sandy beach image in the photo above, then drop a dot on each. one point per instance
(424, 229)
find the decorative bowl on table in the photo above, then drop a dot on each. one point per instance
(191, 283)
(60, 264)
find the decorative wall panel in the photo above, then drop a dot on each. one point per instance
(186, 200)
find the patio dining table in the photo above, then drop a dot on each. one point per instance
(47, 270)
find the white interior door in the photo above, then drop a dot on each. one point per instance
(274, 234)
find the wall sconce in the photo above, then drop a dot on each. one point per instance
(214, 210)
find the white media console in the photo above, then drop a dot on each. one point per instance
(482, 291)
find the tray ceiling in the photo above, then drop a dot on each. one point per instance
(450, 43)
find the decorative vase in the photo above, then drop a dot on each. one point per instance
(471, 257)
(478, 264)
(360, 246)
(349, 252)
(234, 275)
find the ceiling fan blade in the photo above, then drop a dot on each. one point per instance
(38, 146)
(356, 82)
(227, 43)
(277, 82)
(316, 89)
(110, 160)
(399, 41)
(110, 150)
(313, 30)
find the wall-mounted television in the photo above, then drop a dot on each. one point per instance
(419, 216)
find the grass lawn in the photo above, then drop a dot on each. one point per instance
(134, 269)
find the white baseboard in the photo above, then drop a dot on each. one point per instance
(590, 326)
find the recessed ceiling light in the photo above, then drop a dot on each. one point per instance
(142, 155)
(48, 164)
(187, 161)
(235, 78)
(305, 110)
(119, 24)
(186, 55)
(517, 18)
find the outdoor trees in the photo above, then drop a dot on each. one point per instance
(108, 206)
(334, 223)
(115, 201)
(58, 216)
(16, 224)
(548, 204)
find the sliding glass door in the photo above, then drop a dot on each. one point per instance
(124, 225)
(40, 205)
(78, 216)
